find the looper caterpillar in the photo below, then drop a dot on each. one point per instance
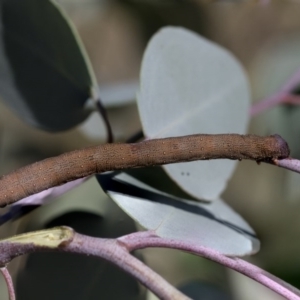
(57, 170)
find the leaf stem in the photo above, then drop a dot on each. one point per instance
(102, 111)
(65, 239)
(289, 164)
(146, 239)
(9, 283)
(283, 96)
(117, 251)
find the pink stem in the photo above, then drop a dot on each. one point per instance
(267, 103)
(150, 239)
(289, 164)
(115, 252)
(291, 99)
(9, 283)
(284, 95)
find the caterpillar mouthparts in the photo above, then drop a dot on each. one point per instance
(282, 146)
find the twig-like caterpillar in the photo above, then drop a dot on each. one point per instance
(57, 170)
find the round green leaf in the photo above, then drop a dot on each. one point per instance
(45, 76)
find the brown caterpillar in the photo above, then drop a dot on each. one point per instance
(57, 170)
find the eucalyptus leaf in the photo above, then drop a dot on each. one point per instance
(210, 224)
(190, 85)
(45, 76)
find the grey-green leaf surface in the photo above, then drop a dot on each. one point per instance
(190, 85)
(45, 76)
(214, 225)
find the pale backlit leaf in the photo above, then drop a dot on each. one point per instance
(190, 85)
(214, 225)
